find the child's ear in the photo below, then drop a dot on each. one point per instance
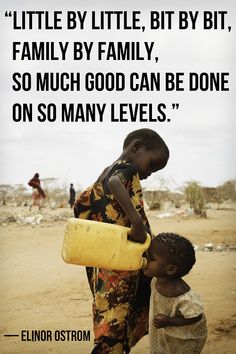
(172, 269)
(137, 145)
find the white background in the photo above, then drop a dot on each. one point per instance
(201, 134)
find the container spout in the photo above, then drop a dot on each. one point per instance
(144, 263)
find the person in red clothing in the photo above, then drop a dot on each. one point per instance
(37, 194)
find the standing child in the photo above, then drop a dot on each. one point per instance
(120, 310)
(177, 323)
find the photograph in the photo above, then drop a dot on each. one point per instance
(118, 177)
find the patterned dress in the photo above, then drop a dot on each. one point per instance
(189, 339)
(121, 298)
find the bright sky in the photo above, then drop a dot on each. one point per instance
(201, 133)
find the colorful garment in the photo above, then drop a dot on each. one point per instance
(37, 194)
(189, 339)
(35, 184)
(37, 198)
(121, 298)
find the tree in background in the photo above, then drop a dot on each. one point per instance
(20, 195)
(227, 190)
(5, 193)
(194, 195)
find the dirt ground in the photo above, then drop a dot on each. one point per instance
(40, 291)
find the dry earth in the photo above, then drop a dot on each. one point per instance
(39, 291)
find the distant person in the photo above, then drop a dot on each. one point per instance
(177, 323)
(72, 196)
(37, 194)
(121, 298)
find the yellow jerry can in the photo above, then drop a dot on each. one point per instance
(102, 245)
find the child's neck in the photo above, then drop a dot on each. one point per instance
(126, 155)
(171, 287)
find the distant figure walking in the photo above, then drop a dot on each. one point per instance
(37, 194)
(72, 196)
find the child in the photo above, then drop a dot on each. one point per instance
(177, 323)
(121, 298)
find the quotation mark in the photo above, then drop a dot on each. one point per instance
(175, 105)
(8, 14)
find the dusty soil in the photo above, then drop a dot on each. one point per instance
(40, 291)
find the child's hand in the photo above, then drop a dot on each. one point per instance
(138, 232)
(161, 320)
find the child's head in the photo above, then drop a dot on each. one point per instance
(147, 150)
(170, 255)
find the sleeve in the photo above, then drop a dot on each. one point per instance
(125, 170)
(153, 283)
(190, 306)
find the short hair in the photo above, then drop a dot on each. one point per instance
(179, 249)
(149, 137)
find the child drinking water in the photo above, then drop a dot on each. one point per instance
(121, 298)
(177, 323)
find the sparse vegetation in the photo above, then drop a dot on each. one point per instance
(157, 198)
(5, 193)
(20, 195)
(194, 195)
(228, 190)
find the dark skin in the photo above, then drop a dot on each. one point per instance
(162, 321)
(147, 161)
(160, 266)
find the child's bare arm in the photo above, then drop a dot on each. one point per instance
(138, 232)
(162, 321)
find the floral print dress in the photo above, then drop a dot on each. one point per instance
(121, 298)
